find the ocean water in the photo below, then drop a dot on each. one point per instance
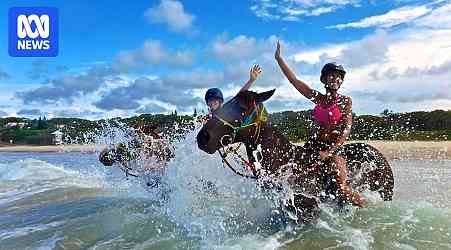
(71, 201)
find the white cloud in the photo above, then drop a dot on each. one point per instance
(322, 10)
(370, 50)
(294, 10)
(438, 18)
(152, 53)
(313, 55)
(247, 48)
(153, 107)
(421, 49)
(436, 14)
(404, 70)
(173, 14)
(238, 48)
(392, 18)
(67, 87)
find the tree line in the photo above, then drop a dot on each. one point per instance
(296, 125)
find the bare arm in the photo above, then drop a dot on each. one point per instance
(254, 73)
(302, 87)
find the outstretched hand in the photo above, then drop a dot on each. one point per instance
(255, 72)
(277, 53)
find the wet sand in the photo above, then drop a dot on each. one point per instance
(52, 148)
(437, 150)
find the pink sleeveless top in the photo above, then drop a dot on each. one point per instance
(328, 115)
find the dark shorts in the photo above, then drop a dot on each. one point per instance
(312, 148)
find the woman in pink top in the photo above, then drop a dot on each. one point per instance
(332, 117)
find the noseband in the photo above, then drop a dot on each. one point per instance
(255, 118)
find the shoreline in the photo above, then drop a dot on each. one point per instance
(418, 150)
(87, 148)
(392, 150)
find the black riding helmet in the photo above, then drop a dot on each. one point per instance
(330, 67)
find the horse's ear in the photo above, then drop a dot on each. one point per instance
(261, 97)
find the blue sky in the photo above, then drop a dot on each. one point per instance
(123, 59)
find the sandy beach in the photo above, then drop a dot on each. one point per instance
(52, 148)
(438, 150)
(423, 150)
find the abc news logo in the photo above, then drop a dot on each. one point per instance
(24, 30)
(33, 32)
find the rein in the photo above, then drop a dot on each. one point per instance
(247, 122)
(247, 163)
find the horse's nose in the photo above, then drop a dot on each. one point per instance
(202, 138)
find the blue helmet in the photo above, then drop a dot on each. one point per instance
(214, 93)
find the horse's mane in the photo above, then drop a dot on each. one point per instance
(276, 134)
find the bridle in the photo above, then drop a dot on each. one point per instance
(255, 118)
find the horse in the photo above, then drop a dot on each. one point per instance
(154, 151)
(242, 120)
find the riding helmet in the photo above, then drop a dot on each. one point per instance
(214, 93)
(330, 67)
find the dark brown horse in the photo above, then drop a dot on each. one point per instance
(242, 120)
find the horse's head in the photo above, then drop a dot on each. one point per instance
(234, 121)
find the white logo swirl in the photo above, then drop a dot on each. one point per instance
(24, 26)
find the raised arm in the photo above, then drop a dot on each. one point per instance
(253, 75)
(303, 88)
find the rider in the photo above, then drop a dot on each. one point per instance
(149, 131)
(332, 117)
(214, 97)
(154, 145)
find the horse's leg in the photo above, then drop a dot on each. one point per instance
(307, 208)
(249, 150)
(341, 175)
(305, 199)
(381, 180)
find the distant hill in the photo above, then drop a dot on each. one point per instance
(421, 125)
(76, 130)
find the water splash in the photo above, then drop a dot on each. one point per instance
(200, 202)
